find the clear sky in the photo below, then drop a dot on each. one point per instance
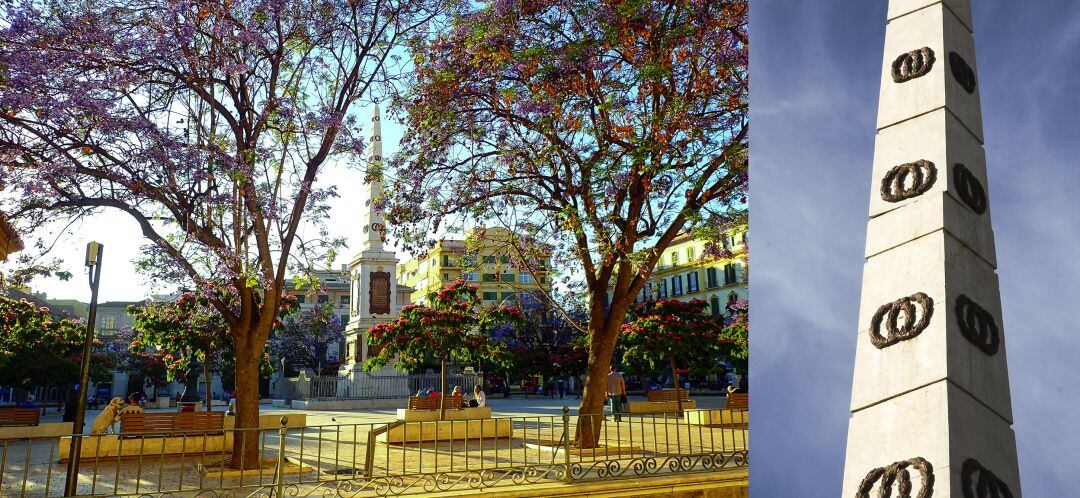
(814, 86)
(122, 238)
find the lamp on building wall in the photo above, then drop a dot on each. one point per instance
(94, 252)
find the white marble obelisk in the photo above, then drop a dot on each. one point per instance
(373, 296)
(931, 414)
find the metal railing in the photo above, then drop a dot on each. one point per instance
(371, 386)
(376, 460)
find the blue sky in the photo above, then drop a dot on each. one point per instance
(814, 85)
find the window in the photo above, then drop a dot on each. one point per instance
(504, 259)
(509, 296)
(446, 277)
(714, 305)
(446, 261)
(692, 281)
(491, 296)
(469, 276)
(506, 277)
(674, 259)
(300, 298)
(525, 278)
(490, 277)
(661, 289)
(344, 320)
(689, 254)
(710, 278)
(676, 285)
(344, 300)
(543, 280)
(489, 260)
(108, 322)
(729, 274)
(323, 299)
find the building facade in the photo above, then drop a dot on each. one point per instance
(333, 288)
(483, 258)
(687, 271)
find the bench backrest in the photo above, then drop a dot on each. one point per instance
(432, 403)
(738, 400)
(668, 395)
(11, 416)
(156, 423)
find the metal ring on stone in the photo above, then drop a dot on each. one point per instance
(969, 189)
(913, 64)
(896, 332)
(922, 172)
(977, 325)
(962, 72)
(897, 474)
(987, 486)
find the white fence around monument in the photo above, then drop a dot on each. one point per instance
(304, 387)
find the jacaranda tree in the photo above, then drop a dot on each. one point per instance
(187, 331)
(209, 123)
(452, 325)
(604, 128)
(306, 337)
(668, 331)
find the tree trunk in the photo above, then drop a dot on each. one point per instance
(590, 413)
(206, 377)
(246, 442)
(675, 377)
(442, 388)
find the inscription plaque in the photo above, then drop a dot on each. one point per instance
(379, 293)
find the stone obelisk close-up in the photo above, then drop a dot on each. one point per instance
(931, 412)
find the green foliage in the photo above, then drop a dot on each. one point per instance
(190, 329)
(34, 348)
(666, 329)
(453, 326)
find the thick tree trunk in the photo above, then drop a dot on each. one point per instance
(590, 413)
(246, 442)
(675, 377)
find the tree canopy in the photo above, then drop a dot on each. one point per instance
(603, 128)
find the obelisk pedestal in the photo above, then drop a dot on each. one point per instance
(931, 412)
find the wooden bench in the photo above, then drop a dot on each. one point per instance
(18, 416)
(163, 423)
(739, 401)
(668, 395)
(432, 403)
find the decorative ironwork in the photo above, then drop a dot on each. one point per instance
(977, 325)
(894, 187)
(647, 466)
(913, 64)
(897, 474)
(969, 188)
(988, 485)
(963, 73)
(890, 314)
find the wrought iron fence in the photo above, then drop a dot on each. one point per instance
(353, 460)
(370, 386)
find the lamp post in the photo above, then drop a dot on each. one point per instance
(94, 251)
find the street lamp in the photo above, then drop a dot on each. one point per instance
(94, 251)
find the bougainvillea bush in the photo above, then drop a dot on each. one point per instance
(452, 325)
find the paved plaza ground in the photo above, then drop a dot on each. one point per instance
(334, 445)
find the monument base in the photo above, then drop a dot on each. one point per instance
(447, 431)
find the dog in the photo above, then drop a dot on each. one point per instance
(105, 422)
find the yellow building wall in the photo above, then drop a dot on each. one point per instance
(685, 257)
(495, 278)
